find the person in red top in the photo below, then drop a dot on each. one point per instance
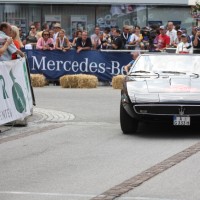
(16, 40)
(163, 40)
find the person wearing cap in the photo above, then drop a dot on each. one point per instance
(163, 40)
(196, 39)
(184, 47)
(172, 33)
(56, 28)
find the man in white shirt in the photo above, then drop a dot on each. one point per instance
(172, 33)
(96, 42)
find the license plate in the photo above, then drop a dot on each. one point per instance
(181, 121)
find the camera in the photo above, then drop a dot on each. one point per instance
(51, 45)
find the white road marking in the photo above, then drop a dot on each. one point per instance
(143, 198)
(45, 194)
(74, 195)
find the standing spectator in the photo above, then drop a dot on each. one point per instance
(172, 33)
(101, 40)
(32, 36)
(106, 34)
(163, 40)
(153, 40)
(178, 39)
(139, 44)
(125, 34)
(22, 36)
(106, 41)
(37, 26)
(45, 42)
(51, 32)
(131, 29)
(184, 47)
(193, 33)
(45, 26)
(95, 38)
(134, 39)
(112, 30)
(8, 47)
(56, 28)
(15, 34)
(62, 41)
(78, 34)
(177, 27)
(83, 43)
(117, 40)
(16, 40)
(196, 39)
(145, 39)
(4, 45)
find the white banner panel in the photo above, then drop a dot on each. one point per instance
(15, 92)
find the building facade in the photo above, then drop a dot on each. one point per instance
(87, 14)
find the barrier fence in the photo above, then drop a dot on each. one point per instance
(15, 91)
(54, 64)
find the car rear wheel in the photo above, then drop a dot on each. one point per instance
(129, 125)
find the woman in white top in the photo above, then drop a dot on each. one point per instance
(184, 47)
(62, 41)
(135, 38)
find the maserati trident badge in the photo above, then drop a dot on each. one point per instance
(181, 111)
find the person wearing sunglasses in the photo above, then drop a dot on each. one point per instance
(45, 42)
(32, 36)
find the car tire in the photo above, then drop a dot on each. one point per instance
(128, 124)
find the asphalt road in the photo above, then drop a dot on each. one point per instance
(83, 153)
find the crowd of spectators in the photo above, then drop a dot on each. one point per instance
(153, 38)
